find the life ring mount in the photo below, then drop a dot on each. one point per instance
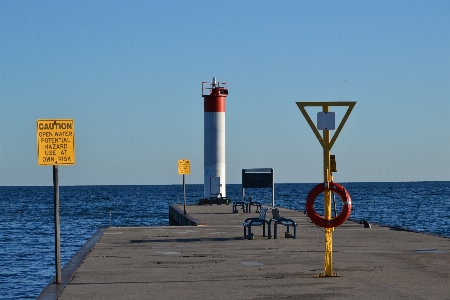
(346, 204)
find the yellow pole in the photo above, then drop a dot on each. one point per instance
(328, 264)
(326, 144)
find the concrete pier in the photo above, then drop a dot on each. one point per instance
(213, 261)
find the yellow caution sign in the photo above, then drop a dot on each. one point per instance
(184, 166)
(55, 142)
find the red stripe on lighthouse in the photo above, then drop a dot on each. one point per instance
(214, 103)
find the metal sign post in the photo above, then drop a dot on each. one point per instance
(326, 123)
(184, 194)
(56, 146)
(184, 167)
(57, 228)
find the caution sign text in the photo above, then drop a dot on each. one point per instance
(184, 166)
(55, 142)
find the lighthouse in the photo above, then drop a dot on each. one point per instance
(214, 95)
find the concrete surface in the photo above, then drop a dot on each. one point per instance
(215, 262)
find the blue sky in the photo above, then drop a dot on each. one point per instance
(129, 73)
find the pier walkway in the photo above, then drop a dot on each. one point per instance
(215, 262)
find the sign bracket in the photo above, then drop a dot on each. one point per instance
(326, 144)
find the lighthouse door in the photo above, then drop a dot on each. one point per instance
(215, 186)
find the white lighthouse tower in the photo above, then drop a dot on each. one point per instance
(214, 95)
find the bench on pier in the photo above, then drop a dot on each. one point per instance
(242, 204)
(261, 220)
(277, 219)
(219, 199)
(251, 203)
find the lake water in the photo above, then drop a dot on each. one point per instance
(27, 224)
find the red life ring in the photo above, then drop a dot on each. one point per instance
(346, 204)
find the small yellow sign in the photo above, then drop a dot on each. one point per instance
(184, 166)
(333, 163)
(55, 142)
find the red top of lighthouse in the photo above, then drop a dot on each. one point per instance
(216, 99)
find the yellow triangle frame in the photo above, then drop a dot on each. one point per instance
(325, 144)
